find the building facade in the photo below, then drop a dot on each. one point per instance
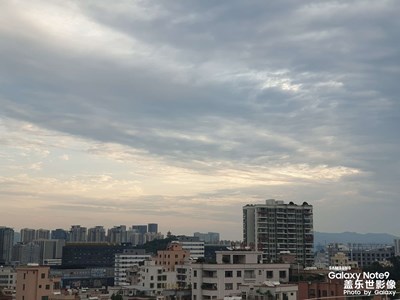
(276, 227)
(96, 234)
(208, 238)
(152, 227)
(27, 235)
(233, 269)
(35, 283)
(193, 245)
(6, 245)
(78, 234)
(8, 278)
(123, 263)
(172, 256)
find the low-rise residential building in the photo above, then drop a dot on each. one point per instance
(193, 245)
(8, 278)
(35, 282)
(233, 269)
(172, 256)
(153, 279)
(123, 263)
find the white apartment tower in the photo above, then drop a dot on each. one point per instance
(275, 227)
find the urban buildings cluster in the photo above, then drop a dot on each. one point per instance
(275, 260)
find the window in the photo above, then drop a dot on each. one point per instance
(152, 285)
(195, 273)
(43, 275)
(259, 272)
(24, 275)
(226, 259)
(228, 286)
(228, 274)
(249, 274)
(195, 286)
(238, 273)
(270, 274)
(282, 274)
(40, 286)
(23, 287)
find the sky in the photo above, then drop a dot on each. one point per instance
(182, 112)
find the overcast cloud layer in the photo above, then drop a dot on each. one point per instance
(181, 112)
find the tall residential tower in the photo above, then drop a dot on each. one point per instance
(276, 228)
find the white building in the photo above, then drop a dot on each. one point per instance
(192, 244)
(153, 279)
(233, 269)
(124, 262)
(8, 278)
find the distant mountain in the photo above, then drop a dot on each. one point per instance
(323, 238)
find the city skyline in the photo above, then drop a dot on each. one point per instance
(181, 113)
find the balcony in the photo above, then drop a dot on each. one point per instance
(209, 286)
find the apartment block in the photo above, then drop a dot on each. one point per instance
(124, 262)
(276, 227)
(6, 244)
(27, 235)
(34, 283)
(193, 245)
(96, 234)
(172, 256)
(233, 269)
(8, 278)
(78, 234)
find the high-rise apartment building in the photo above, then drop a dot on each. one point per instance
(276, 227)
(117, 234)
(24, 254)
(42, 234)
(6, 244)
(59, 234)
(96, 234)
(27, 235)
(152, 227)
(140, 228)
(78, 234)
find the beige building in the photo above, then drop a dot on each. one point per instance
(341, 259)
(174, 255)
(34, 283)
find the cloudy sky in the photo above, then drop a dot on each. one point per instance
(181, 112)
